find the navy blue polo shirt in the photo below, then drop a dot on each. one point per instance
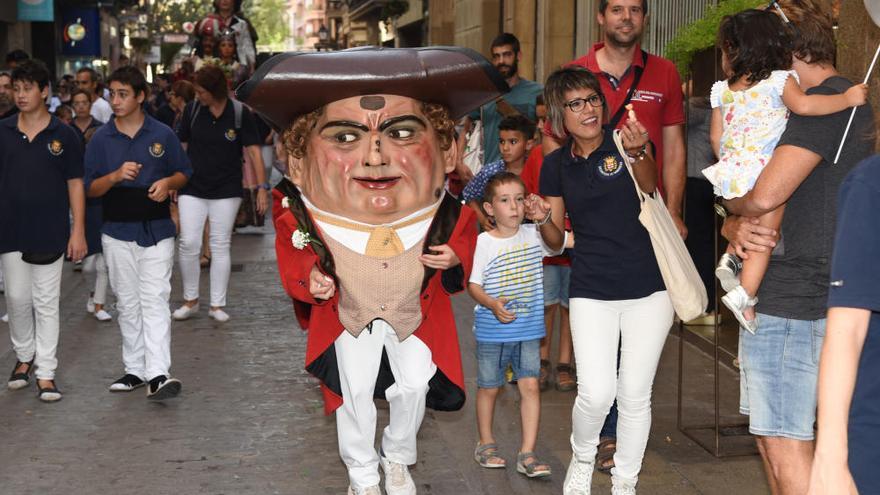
(215, 148)
(855, 283)
(155, 146)
(612, 257)
(34, 202)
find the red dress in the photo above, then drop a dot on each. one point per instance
(454, 225)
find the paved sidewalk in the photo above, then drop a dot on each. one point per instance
(250, 420)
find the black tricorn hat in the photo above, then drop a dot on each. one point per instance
(292, 84)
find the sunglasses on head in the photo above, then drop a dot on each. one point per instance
(774, 5)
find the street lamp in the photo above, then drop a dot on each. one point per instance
(323, 38)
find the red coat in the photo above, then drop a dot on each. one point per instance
(453, 225)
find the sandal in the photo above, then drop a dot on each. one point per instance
(533, 469)
(565, 378)
(544, 378)
(49, 393)
(18, 380)
(605, 454)
(487, 456)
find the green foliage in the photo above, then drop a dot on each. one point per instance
(269, 18)
(702, 33)
(168, 16)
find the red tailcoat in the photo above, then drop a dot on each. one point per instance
(453, 225)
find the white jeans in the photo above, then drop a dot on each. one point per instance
(32, 297)
(640, 326)
(358, 360)
(141, 279)
(95, 263)
(221, 219)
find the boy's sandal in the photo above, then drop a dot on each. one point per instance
(605, 454)
(534, 468)
(487, 456)
(565, 378)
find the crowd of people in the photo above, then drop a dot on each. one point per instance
(377, 219)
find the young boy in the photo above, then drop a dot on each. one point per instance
(40, 183)
(132, 162)
(506, 282)
(516, 137)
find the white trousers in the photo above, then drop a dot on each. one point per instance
(32, 297)
(141, 279)
(220, 214)
(640, 327)
(95, 264)
(358, 360)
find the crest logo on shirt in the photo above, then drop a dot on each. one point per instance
(610, 166)
(230, 134)
(55, 147)
(157, 150)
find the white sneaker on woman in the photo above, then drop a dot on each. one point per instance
(218, 315)
(578, 478)
(621, 487)
(184, 312)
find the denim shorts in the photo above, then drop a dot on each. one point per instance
(779, 366)
(556, 280)
(493, 358)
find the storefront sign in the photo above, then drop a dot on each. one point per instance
(36, 10)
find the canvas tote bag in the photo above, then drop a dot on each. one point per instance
(683, 283)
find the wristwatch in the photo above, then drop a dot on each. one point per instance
(720, 209)
(265, 186)
(640, 155)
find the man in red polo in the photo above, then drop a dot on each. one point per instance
(657, 98)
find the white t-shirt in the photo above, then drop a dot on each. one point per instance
(101, 110)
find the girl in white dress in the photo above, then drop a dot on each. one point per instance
(749, 113)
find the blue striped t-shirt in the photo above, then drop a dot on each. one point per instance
(511, 268)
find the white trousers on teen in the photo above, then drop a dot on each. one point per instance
(32, 297)
(358, 360)
(95, 264)
(220, 214)
(141, 278)
(640, 326)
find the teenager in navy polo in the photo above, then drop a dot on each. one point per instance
(132, 162)
(40, 183)
(849, 367)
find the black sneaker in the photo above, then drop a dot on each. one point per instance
(162, 388)
(126, 384)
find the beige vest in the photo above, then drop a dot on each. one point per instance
(385, 288)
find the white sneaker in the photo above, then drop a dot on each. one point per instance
(218, 315)
(621, 487)
(370, 490)
(397, 478)
(5, 318)
(90, 305)
(737, 301)
(184, 312)
(102, 315)
(578, 478)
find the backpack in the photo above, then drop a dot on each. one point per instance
(237, 110)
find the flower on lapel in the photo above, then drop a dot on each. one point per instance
(301, 238)
(285, 202)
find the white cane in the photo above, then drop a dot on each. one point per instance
(873, 8)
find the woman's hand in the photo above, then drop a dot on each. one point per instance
(831, 478)
(262, 201)
(536, 208)
(634, 136)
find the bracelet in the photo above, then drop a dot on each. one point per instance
(265, 186)
(546, 219)
(642, 153)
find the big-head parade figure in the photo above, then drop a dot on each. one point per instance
(369, 245)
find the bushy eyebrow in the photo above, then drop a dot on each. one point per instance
(402, 118)
(345, 123)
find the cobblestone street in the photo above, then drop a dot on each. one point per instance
(250, 420)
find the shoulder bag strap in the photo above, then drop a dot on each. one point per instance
(637, 76)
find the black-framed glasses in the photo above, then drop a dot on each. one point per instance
(577, 105)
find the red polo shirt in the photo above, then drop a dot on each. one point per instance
(657, 101)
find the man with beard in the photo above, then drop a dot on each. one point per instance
(651, 84)
(519, 101)
(7, 101)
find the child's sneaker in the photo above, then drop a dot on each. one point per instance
(102, 315)
(727, 271)
(737, 301)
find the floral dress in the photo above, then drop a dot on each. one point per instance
(753, 120)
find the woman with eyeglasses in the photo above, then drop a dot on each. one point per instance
(616, 291)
